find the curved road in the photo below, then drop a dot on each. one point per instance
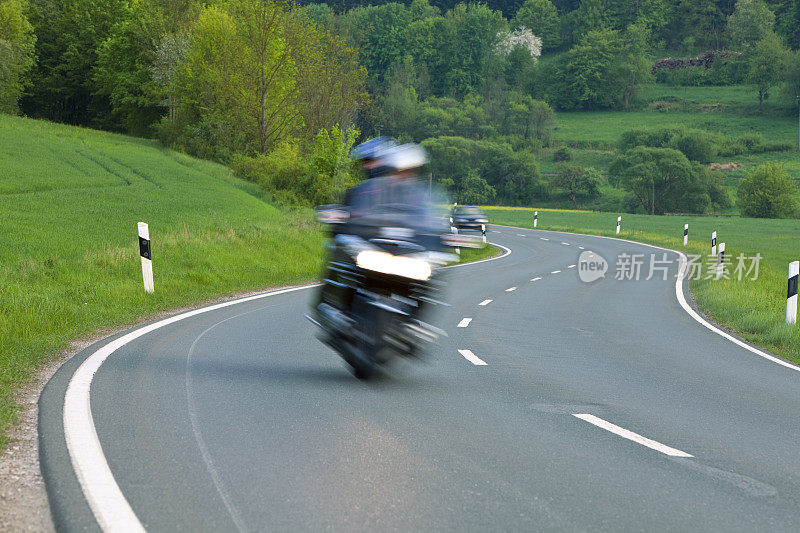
(240, 419)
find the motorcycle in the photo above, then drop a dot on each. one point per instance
(380, 289)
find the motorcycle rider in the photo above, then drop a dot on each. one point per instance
(386, 210)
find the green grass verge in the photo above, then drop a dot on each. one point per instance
(756, 310)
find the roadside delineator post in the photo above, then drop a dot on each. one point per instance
(791, 294)
(714, 243)
(619, 223)
(721, 259)
(455, 232)
(147, 260)
(685, 234)
(483, 231)
(535, 219)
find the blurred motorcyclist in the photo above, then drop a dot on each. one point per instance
(389, 207)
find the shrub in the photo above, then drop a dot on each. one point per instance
(562, 154)
(698, 145)
(767, 192)
(317, 175)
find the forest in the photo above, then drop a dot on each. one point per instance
(281, 91)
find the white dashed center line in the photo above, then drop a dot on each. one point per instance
(571, 266)
(630, 435)
(511, 289)
(521, 235)
(555, 272)
(544, 238)
(536, 278)
(565, 243)
(581, 247)
(472, 358)
(485, 302)
(464, 322)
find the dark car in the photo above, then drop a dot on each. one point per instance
(469, 217)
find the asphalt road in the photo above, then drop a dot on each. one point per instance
(240, 419)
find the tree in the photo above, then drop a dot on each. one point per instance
(695, 23)
(137, 65)
(17, 43)
(788, 20)
(69, 33)
(633, 67)
(767, 192)
(750, 22)
(475, 190)
(534, 119)
(765, 66)
(662, 180)
(791, 87)
(238, 78)
(331, 85)
(577, 181)
(541, 17)
(587, 76)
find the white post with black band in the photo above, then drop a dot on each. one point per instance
(791, 294)
(483, 232)
(535, 219)
(144, 251)
(721, 260)
(685, 234)
(713, 243)
(619, 223)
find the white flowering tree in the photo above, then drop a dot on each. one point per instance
(507, 41)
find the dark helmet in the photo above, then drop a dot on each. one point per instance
(372, 148)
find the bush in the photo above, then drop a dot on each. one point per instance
(767, 192)
(562, 154)
(457, 162)
(698, 145)
(293, 176)
(662, 180)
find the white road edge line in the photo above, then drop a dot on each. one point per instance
(555, 272)
(536, 278)
(630, 435)
(686, 307)
(472, 358)
(511, 289)
(464, 322)
(109, 506)
(485, 302)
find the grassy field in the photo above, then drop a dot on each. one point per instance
(754, 309)
(732, 111)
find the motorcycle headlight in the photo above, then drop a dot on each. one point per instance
(395, 265)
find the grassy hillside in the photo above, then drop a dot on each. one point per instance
(755, 309)
(70, 199)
